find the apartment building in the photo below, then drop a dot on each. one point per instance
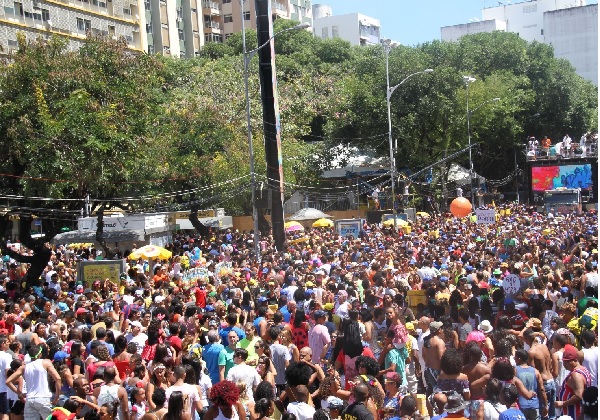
(175, 28)
(569, 26)
(73, 20)
(356, 28)
(180, 28)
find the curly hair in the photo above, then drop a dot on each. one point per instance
(298, 373)
(503, 348)
(368, 363)
(503, 369)
(103, 354)
(451, 363)
(224, 394)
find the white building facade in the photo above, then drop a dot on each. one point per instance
(569, 26)
(356, 28)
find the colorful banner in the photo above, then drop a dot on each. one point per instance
(545, 178)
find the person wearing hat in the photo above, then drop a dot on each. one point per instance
(433, 349)
(335, 407)
(136, 336)
(455, 406)
(571, 391)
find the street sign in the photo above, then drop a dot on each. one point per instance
(485, 217)
(37, 222)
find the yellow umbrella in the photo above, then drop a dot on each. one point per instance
(151, 252)
(290, 224)
(322, 223)
(423, 214)
(399, 222)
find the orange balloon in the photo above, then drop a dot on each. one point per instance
(460, 207)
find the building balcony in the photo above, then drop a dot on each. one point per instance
(279, 8)
(212, 25)
(211, 7)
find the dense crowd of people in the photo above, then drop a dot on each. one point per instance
(453, 319)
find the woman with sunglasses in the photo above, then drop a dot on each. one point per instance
(393, 396)
(265, 369)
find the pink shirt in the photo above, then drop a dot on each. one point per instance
(318, 338)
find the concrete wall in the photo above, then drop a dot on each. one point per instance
(574, 35)
(454, 32)
(527, 18)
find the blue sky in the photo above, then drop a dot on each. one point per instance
(413, 22)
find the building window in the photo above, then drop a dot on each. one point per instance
(246, 15)
(226, 1)
(127, 11)
(227, 19)
(19, 9)
(111, 30)
(325, 32)
(227, 36)
(181, 35)
(180, 13)
(149, 28)
(45, 15)
(150, 49)
(334, 32)
(84, 25)
(147, 4)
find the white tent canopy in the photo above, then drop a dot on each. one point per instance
(460, 175)
(309, 214)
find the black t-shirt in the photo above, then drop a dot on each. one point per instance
(357, 411)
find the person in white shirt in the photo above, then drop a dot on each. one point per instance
(300, 407)
(342, 306)
(423, 324)
(589, 355)
(191, 400)
(137, 336)
(5, 360)
(241, 372)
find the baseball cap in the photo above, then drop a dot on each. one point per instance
(63, 306)
(60, 355)
(335, 403)
(570, 352)
(320, 314)
(328, 306)
(508, 301)
(564, 290)
(436, 325)
(81, 311)
(497, 272)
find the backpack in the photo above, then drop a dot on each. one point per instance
(352, 340)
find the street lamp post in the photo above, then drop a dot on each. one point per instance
(468, 80)
(387, 46)
(248, 55)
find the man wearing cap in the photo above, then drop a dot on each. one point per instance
(433, 349)
(137, 336)
(571, 391)
(318, 337)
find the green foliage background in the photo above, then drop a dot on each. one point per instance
(110, 123)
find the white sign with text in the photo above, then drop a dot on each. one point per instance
(485, 217)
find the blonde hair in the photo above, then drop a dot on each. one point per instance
(241, 386)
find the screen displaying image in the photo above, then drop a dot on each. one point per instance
(567, 176)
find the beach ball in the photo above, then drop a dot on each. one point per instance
(460, 207)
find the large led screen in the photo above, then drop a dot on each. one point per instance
(568, 176)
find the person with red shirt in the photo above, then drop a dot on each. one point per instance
(200, 293)
(8, 324)
(517, 317)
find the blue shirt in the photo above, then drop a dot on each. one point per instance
(512, 414)
(110, 347)
(210, 354)
(286, 313)
(225, 331)
(527, 376)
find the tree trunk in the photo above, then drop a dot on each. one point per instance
(41, 253)
(200, 228)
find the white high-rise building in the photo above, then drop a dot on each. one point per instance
(569, 26)
(356, 28)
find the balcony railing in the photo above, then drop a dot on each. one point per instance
(207, 4)
(212, 25)
(557, 151)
